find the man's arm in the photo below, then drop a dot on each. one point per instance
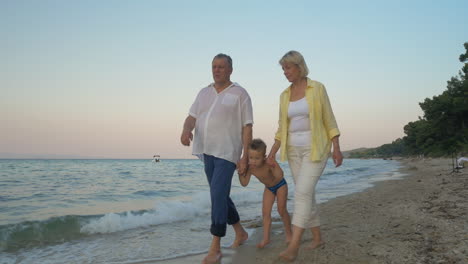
(244, 179)
(246, 140)
(187, 135)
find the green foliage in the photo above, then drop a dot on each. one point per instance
(442, 131)
(396, 148)
(444, 128)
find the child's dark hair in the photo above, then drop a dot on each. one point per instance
(258, 145)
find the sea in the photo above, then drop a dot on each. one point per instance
(131, 211)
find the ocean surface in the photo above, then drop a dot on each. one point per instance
(128, 211)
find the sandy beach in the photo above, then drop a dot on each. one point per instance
(420, 218)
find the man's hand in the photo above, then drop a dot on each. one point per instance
(186, 137)
(242, 165)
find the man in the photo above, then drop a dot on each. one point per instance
(222, 118)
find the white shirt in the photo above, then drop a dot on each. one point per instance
(219, 121)
(299, 123)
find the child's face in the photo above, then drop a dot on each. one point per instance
(256, 158)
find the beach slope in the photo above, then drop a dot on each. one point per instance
(420, 218)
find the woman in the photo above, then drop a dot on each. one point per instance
(307, 129)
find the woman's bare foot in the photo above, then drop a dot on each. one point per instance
(289, 255)
(263, 243)
(316, 244)
(212, 258)
(240, 239)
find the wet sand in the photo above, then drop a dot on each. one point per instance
(420, 218)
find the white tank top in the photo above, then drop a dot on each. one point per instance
(299, 123)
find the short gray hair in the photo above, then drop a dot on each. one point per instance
(224, 56)
(295, 58)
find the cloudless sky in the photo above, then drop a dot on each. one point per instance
(115, 79)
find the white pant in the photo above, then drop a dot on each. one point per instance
(306, 175)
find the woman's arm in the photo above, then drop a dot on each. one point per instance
(271, 159)
(277, 171)
(328, 117)
(329, 122)
(337, 155)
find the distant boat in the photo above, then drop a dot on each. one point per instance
(156, 158)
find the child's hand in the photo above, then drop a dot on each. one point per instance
(241, 173)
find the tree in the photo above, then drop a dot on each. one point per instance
(443, 130)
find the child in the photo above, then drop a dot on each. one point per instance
(275, 187)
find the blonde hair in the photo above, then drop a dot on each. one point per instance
(294, 57)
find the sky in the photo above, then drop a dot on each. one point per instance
(115, 79)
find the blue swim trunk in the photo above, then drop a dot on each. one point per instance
(275, 188)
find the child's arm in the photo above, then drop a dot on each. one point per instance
(245, 178)
(276, 170)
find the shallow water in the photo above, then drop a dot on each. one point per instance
(123, 211)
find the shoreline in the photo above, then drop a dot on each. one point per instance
(417, 218)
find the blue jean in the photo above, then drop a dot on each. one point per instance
(219, 173)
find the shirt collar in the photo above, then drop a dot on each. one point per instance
(309, 85)
(227, 88)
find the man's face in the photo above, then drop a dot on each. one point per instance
(221, 70)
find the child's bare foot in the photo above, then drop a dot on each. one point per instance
(289, 255)
(240, 239)
(263, 243)
(212, 258)
(316, 244)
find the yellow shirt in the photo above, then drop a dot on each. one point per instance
(322, 121)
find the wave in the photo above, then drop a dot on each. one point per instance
(165, 212)
(346, 171)
(66, 228)
(39, 233)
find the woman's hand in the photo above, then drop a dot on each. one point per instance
(337, 157)
(271, 160)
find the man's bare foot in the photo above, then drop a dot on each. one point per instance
(240, 239)
(263, 243)
(316, 244)
(288, 255)
(212, 258)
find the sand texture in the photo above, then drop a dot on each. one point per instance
(420, 218)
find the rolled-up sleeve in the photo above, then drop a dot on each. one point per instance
(329, 120)
(278, 132)
(247, 111)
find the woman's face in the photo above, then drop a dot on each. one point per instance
(291, 71)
